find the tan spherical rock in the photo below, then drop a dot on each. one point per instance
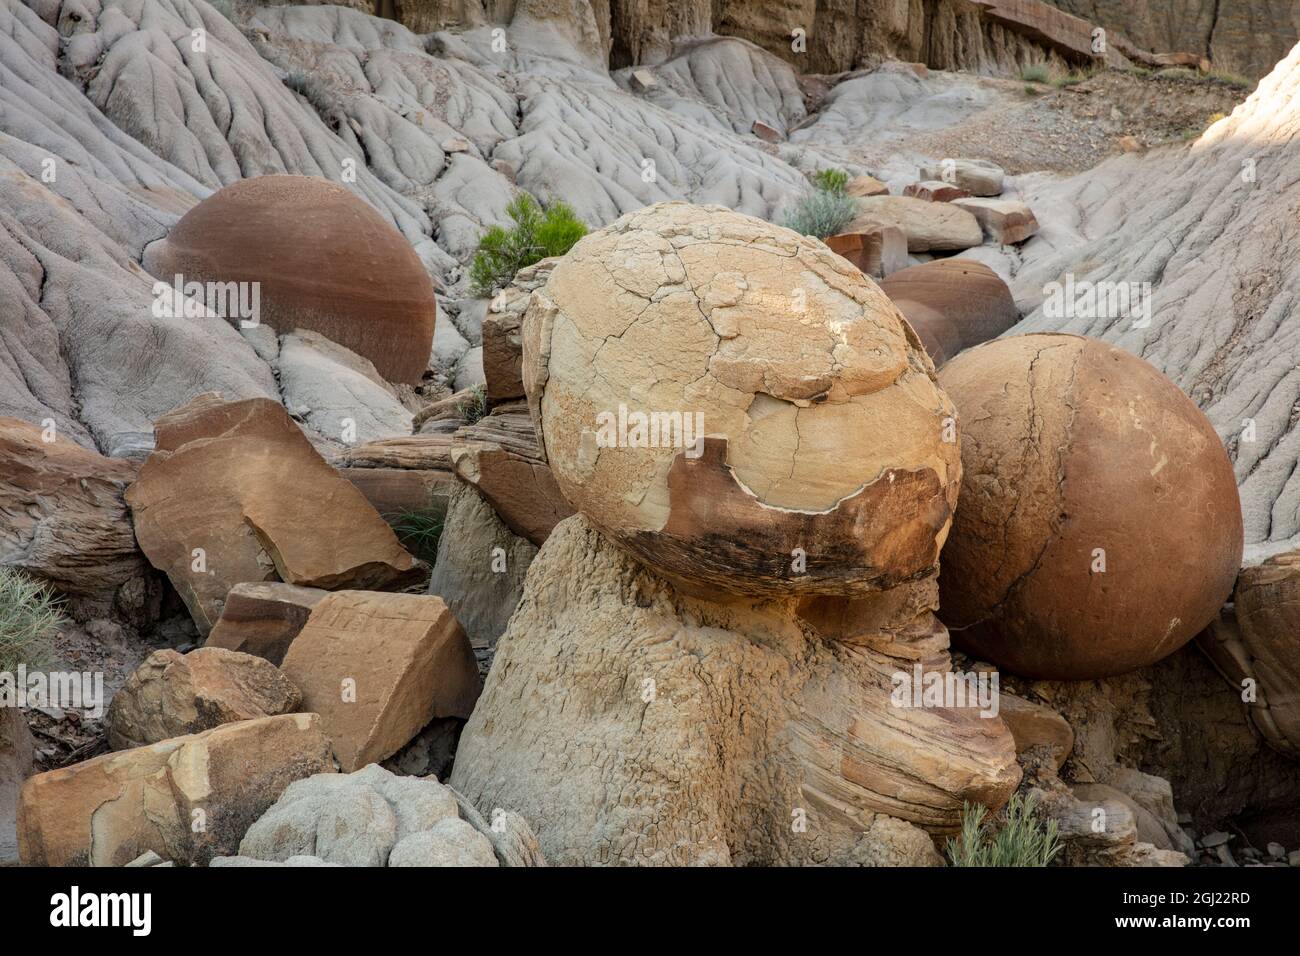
(324, 260)
(815, 453)
(1099, 527)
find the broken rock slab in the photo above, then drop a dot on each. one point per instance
(877, 252)
(935, 191)
(861, 186)
(171, 695)
(378, 667)
(928, 226)
(393, 491)
(263, 619)
(977, 176)
(109, 810)
(235, 493)
(502, 346)
(768, 134)
(1004, 221)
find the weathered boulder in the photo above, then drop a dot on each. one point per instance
(480, 568)
(378, 667)
(928, 226)
(235, 493)
(322, 260)
(609, 720)
(263, 619)
(374, 818)
(977, 176)
(935, 190)
(62, 516)
(500, 456)
(952, 304)
(877, 252)
(1257, 648)
(171, 695)
(1099, 527)
(187, 799)
(690, 409)
(1004, 221)
(17, 753)
(449, 842)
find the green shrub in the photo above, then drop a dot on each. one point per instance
(1038, 73)
(1021, 841)
(1222, 78)
(536, 235)
(1071, 79)
(29, 613)
(831, 181)
(820, 213)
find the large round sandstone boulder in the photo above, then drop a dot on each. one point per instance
(324, 259)
(1099, 527)
(828, 462)
(953, 304)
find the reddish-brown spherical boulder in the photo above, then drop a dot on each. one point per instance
(953, 304)
(323, 259)
(1098, 526)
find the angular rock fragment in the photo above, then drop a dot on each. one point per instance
(393, 491)
(1004, 221)
(503, 349)
(263, 619)
(187, 799)
(935, 191)
(63, 518)
(978, 177)
(378, 667)
(952, 304)
(642, 80)
(768, 134)
(235, 493)
(171, 695)
(929, 226)
(865, 186)
(1034, 725)
(877, 252)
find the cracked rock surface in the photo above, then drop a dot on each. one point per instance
(821, 426)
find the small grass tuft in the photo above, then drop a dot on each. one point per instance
(1038, 73)
(418, 531)
(831, 181)
(1021, 841)
(475, 405)
(29, 614)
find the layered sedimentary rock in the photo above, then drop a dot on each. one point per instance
(63, 518)
(320, 258)
(1099, 527)
(186, 799)
(782, 361)
(928, 226)
(263, 619)
(608, 722)
(235, 493)
(1004, 221)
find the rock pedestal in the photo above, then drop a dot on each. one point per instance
(631, 724)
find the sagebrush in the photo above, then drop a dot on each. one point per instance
(1022, 840)
(536, 235)
(821, 213)
(29, 615)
